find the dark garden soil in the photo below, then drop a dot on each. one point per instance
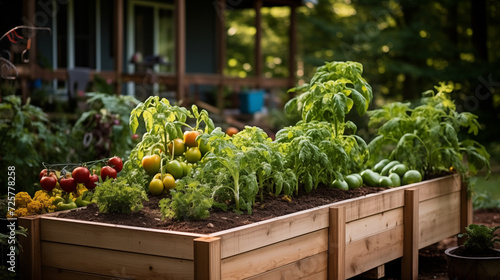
(219, 220)
(432, 261)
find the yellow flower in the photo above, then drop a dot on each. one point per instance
(22, 199)
(41, 196)
(21, 212)
(35, 207)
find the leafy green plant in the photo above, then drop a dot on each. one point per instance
(426, 138)
(103, 130)
(230, 169)
(332, 92)
(119, 196)
(266, 161)
(163, 123)
(480, 239)
(319, 148)
(28, 138)
(189, 200)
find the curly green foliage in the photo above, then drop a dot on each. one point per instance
(119, 196)
(426, 137)
(190, 200)
(27, 139)
(480, 239)
(332, 92)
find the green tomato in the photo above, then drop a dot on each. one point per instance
(156, 187)
(185, 168)
(193, 155)
(205, 147)
(174, 167)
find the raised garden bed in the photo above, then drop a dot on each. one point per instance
(335, 241)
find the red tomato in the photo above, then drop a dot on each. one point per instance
(80, 174)
(91, 182)
(43, 173)
(67, 184)
(108, 172)
(116, 163)
(48, 183)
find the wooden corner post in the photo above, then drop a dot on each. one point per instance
(336, 244)
(207, 258)
(30, 254)
(411, 235)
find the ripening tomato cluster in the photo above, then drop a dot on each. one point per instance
(182, 154)
(80, 175)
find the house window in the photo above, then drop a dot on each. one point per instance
(150, 44)
(150, 36)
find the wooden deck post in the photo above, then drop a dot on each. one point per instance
(411, 235)
(465, 209)
(118, 44)
(30, 254)
(180, 48)
(258, 42)
(336, 243)
(292, 46)
(221, 53)
(207, 258)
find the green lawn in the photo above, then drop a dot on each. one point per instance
(486, 193)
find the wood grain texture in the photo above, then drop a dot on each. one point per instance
(207, 261)
(114, 263)
(336, 244)
(243, 239)
(274, 256)
(439, 219)
(313, 267)
(124, 238)
(29, 256)
(62, 274)
(411, 235)
(373, 251)
(374, 224)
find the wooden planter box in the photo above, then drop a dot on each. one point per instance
(335, 241)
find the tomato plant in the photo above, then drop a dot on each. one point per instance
(426, 137)
(163, 123)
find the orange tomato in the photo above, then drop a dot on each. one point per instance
(231, 131)
(190, 138)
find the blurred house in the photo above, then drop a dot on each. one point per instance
(141, 47)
